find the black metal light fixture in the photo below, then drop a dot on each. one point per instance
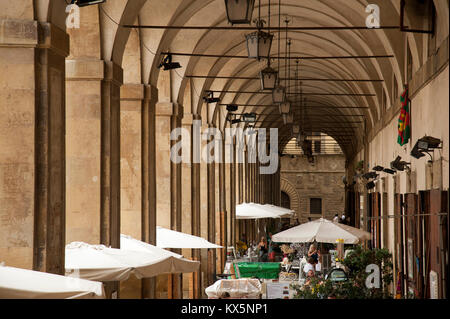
(389, 171)
(378, 168)
(416, 153)
(211, 99)
(399, 165)
(84, 3)
(249, 117)
(425, 145)
(370, 185)
(167, 63)
(232, 107)
(259, 42)
(428, 143)
(239, 11)
(370, 175)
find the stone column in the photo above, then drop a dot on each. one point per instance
(131, 102)
(211, 174)
(233, 203)
(168, 182)
(195, 205)
(223, 221)
(148, 170)
(32, 129)
(186, 200)
(110, 155)
(204, 212)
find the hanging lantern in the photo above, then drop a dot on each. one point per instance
(268, 78)
(295, 129)
(239, 11)
(285, 107)
(279, 94)
(289, 118)
(259, 44)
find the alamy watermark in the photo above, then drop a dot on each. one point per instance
(189, 149)
(373, 19)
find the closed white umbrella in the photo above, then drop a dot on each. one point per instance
(98, 262)
(253, 211)
(17, 283)
(322, 231)
(281, 212)
(167, 238)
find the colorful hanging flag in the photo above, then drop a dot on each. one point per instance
(404, 121)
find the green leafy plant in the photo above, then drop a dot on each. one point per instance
(355, 287)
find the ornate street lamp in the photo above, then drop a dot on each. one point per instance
(279, 94)
(239, 11)
(285, 107)
(268, 78)
(259, 43)
(288, 118)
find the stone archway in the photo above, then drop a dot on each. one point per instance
(289, 189)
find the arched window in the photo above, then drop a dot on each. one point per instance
(285, 200)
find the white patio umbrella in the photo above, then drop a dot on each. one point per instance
(281, 212)
(98, 262)
(322, 231)
(254, 211)
(18, 283)
(167, 238)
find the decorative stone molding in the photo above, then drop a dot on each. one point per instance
(85, 70)
(53, 38)
(18, 33)
(288, 188)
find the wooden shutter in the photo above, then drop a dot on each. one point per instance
(411, 242)
(398, 235)
(438, 234)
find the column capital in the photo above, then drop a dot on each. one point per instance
(168, 109)
(188, 119)
(18, 33)
(85, 70)
(132, 92)
(53, 38)
(113, 73)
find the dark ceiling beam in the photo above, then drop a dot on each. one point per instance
(299, 107)
(254, 28)
(282, 79)
(312, 115)
(294, 94)
(336, 57)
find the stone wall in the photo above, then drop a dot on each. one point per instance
(302, 180)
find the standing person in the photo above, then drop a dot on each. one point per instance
(262, 246)
(336, 218)
(270, 251)
(343, 221)
(314, 253)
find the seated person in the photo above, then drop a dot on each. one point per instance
(309, 276)
(310, 266)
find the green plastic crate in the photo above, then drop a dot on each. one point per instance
(258, 270)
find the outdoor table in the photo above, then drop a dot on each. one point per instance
(258, 270)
